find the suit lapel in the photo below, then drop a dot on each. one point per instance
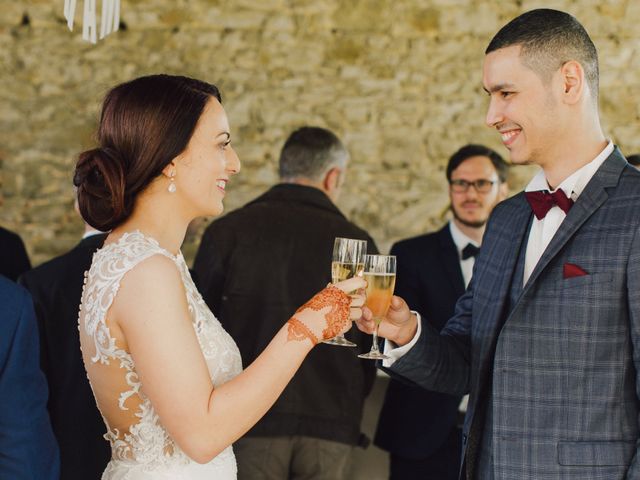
(517, 224)
(451, 260)
(502, 247)
(593, 196)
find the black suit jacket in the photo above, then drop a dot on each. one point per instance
(415, 422)
(13, 259)
(56, 287)
(256, 266)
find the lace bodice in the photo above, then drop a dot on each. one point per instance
(145, 444)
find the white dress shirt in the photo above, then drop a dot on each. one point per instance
(461, 241)
(91, 233)
(541, 233)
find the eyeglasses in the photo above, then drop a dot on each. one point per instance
(482, 185)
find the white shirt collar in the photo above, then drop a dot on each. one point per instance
(459, 238)
(574, 184)
(91, 233)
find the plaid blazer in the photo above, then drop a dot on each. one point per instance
(562, 361)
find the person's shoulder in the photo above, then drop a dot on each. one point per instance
(238, 217)
(14, 302)
(418, 242)
(9, 236)
(7, 287)
(49, 270)
(358, 231)
(630, 179)
(66, 264)
(154, 269)
(154, 284)
(12, 297)
(513, 205)
(153, 277)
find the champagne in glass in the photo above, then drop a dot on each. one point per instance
(342, 271)
(380, 274)
(348, 262)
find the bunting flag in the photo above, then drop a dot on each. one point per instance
(109, 18)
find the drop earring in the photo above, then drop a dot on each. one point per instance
(172, 186)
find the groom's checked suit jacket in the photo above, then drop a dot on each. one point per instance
(559, 361)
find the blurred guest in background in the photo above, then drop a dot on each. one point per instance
(419, 427)
(56, 288)
(255, 266)
(14, 260)
(28, 449)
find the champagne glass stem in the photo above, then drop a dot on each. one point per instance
(374, 345)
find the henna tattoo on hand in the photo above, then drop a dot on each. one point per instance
(299, 331)
(338, 317)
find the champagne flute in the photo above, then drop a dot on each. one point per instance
(347, 262)
(380, 274)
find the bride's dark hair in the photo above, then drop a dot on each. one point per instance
(144, 125)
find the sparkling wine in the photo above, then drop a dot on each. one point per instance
(379, 292)
(341, 271)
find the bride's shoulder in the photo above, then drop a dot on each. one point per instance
(135, 258)
(131, 245)
(150, 288)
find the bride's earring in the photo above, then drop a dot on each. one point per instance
(172, 186)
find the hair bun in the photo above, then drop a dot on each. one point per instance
(100, 179)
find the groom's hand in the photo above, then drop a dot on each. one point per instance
(399, 325)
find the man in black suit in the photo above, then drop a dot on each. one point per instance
(14, 260)
(56, 288)
(419, 427)
(256, 266)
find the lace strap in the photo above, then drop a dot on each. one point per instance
(109, 266)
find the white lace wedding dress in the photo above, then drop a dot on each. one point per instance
(141, 448)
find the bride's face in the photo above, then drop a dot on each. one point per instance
(207, 164)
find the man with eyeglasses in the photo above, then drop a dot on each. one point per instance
(419, 427)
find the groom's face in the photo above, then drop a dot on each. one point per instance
(522, 106)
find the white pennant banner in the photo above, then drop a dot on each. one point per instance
(109, 18)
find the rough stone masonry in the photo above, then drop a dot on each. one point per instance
(399, 81)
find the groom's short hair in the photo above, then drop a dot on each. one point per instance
(550, 38)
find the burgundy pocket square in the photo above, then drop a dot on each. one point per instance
(571, 270)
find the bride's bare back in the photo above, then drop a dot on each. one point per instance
(135, 430)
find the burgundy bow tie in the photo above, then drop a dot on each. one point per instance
(542, 201)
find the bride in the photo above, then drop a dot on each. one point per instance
(166, 376)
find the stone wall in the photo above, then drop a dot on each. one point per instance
(399, 81)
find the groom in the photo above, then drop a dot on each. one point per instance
(547, 337)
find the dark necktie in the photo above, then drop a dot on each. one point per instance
(542, 201)
(470, 251)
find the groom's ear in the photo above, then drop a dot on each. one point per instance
(573, 82)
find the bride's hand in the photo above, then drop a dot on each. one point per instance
(329, 313)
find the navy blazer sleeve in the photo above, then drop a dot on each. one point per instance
(28, 449)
